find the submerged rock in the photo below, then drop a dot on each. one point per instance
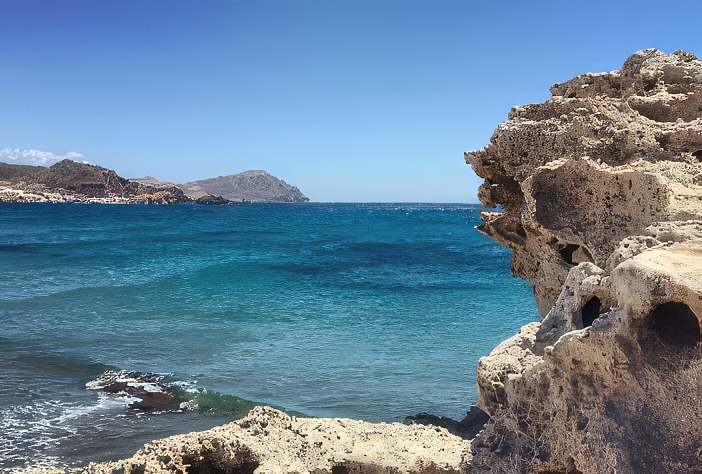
(601, 187)
(148, 391)
(161, 392)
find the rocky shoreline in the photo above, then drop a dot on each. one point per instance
(270, 441)
(601, 191)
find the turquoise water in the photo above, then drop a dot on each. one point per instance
(370, 311)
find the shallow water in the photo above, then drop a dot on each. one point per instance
(370, 311)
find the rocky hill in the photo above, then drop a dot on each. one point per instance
(250, 186)
(70, 181)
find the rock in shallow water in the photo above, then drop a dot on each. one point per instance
(149, 391)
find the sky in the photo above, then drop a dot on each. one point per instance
(350, 100)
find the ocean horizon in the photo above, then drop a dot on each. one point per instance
(373, 311)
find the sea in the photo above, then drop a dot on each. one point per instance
(366, 311)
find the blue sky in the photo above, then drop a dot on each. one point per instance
(351, 100)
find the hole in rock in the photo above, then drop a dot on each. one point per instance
(572, 254)
(653, 112)
(591, 311)
(649, 85)
(663, 141)
(697, 154)
(520, 231)
(674, 324)
(351, 467)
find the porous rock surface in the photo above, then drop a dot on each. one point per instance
(269, 441)
(601, 195)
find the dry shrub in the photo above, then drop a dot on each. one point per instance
(549, 435)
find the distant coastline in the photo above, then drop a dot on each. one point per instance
(72, 182)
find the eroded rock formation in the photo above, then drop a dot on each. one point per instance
(269, 441)
(601, 189)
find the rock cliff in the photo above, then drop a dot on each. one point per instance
(601, 195)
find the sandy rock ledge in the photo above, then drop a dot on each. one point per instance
(269, 441)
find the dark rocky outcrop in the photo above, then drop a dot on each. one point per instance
(21, 173)
(211, 200)
(89, 180)
(148, 391)
(467, 428)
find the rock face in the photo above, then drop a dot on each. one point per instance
(70, 181)
(269, 441)
(601, 187)
(249, 186)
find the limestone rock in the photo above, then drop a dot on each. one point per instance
(269, 441)
(602, 198)
(591, 166)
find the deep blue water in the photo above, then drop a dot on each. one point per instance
(370, 311)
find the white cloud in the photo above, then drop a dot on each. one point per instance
(34, 157)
